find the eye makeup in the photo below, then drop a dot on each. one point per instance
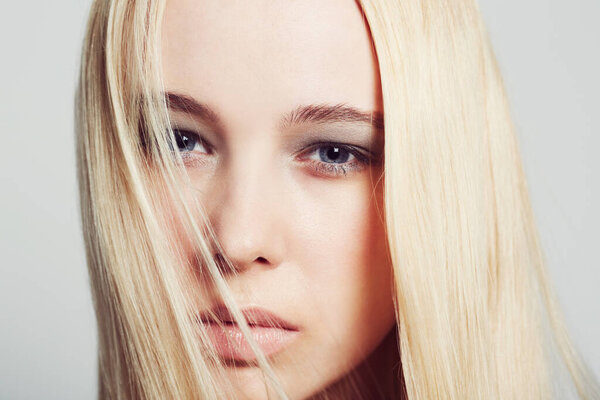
(188, 141)
(337, 159)
(323, 158)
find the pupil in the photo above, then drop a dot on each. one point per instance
(335, 154)
(184, 142)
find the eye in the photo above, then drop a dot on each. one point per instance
(336, 159)
(187, 141)
(333, 154)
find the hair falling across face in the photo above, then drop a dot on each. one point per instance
(276, 111)
(246, 239)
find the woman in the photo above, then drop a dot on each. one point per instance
(252, 231)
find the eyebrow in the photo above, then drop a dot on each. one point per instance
(311, 113)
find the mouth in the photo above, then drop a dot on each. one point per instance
(255, 316)
(270, 332)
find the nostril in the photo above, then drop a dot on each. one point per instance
(262, 260)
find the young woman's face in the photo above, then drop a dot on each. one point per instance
(278, 149)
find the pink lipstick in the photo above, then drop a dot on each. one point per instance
(270, 332)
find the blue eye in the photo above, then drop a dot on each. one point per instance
(334, 154)
(327, 159)
(188, 141)
(335, 159)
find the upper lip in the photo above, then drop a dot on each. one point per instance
(255, 316)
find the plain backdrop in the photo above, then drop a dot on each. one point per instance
(549, 53)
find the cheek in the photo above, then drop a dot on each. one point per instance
(171, 219)
(345, 249)
(346, 263)
(176, 226)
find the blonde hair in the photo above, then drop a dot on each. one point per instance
(475, 313)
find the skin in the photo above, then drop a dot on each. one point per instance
(308, 244)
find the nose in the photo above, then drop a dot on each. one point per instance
(244, 218)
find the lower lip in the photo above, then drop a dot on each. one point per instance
(229, 342)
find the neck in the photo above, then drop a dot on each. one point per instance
(379, 376)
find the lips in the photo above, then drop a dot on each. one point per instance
(270, 332)
(255, 316)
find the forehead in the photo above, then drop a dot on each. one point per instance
(261, 58)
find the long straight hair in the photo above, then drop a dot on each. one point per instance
(476, 315)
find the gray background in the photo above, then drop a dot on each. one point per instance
(549, 55)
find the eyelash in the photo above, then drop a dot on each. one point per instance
(360, 161)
